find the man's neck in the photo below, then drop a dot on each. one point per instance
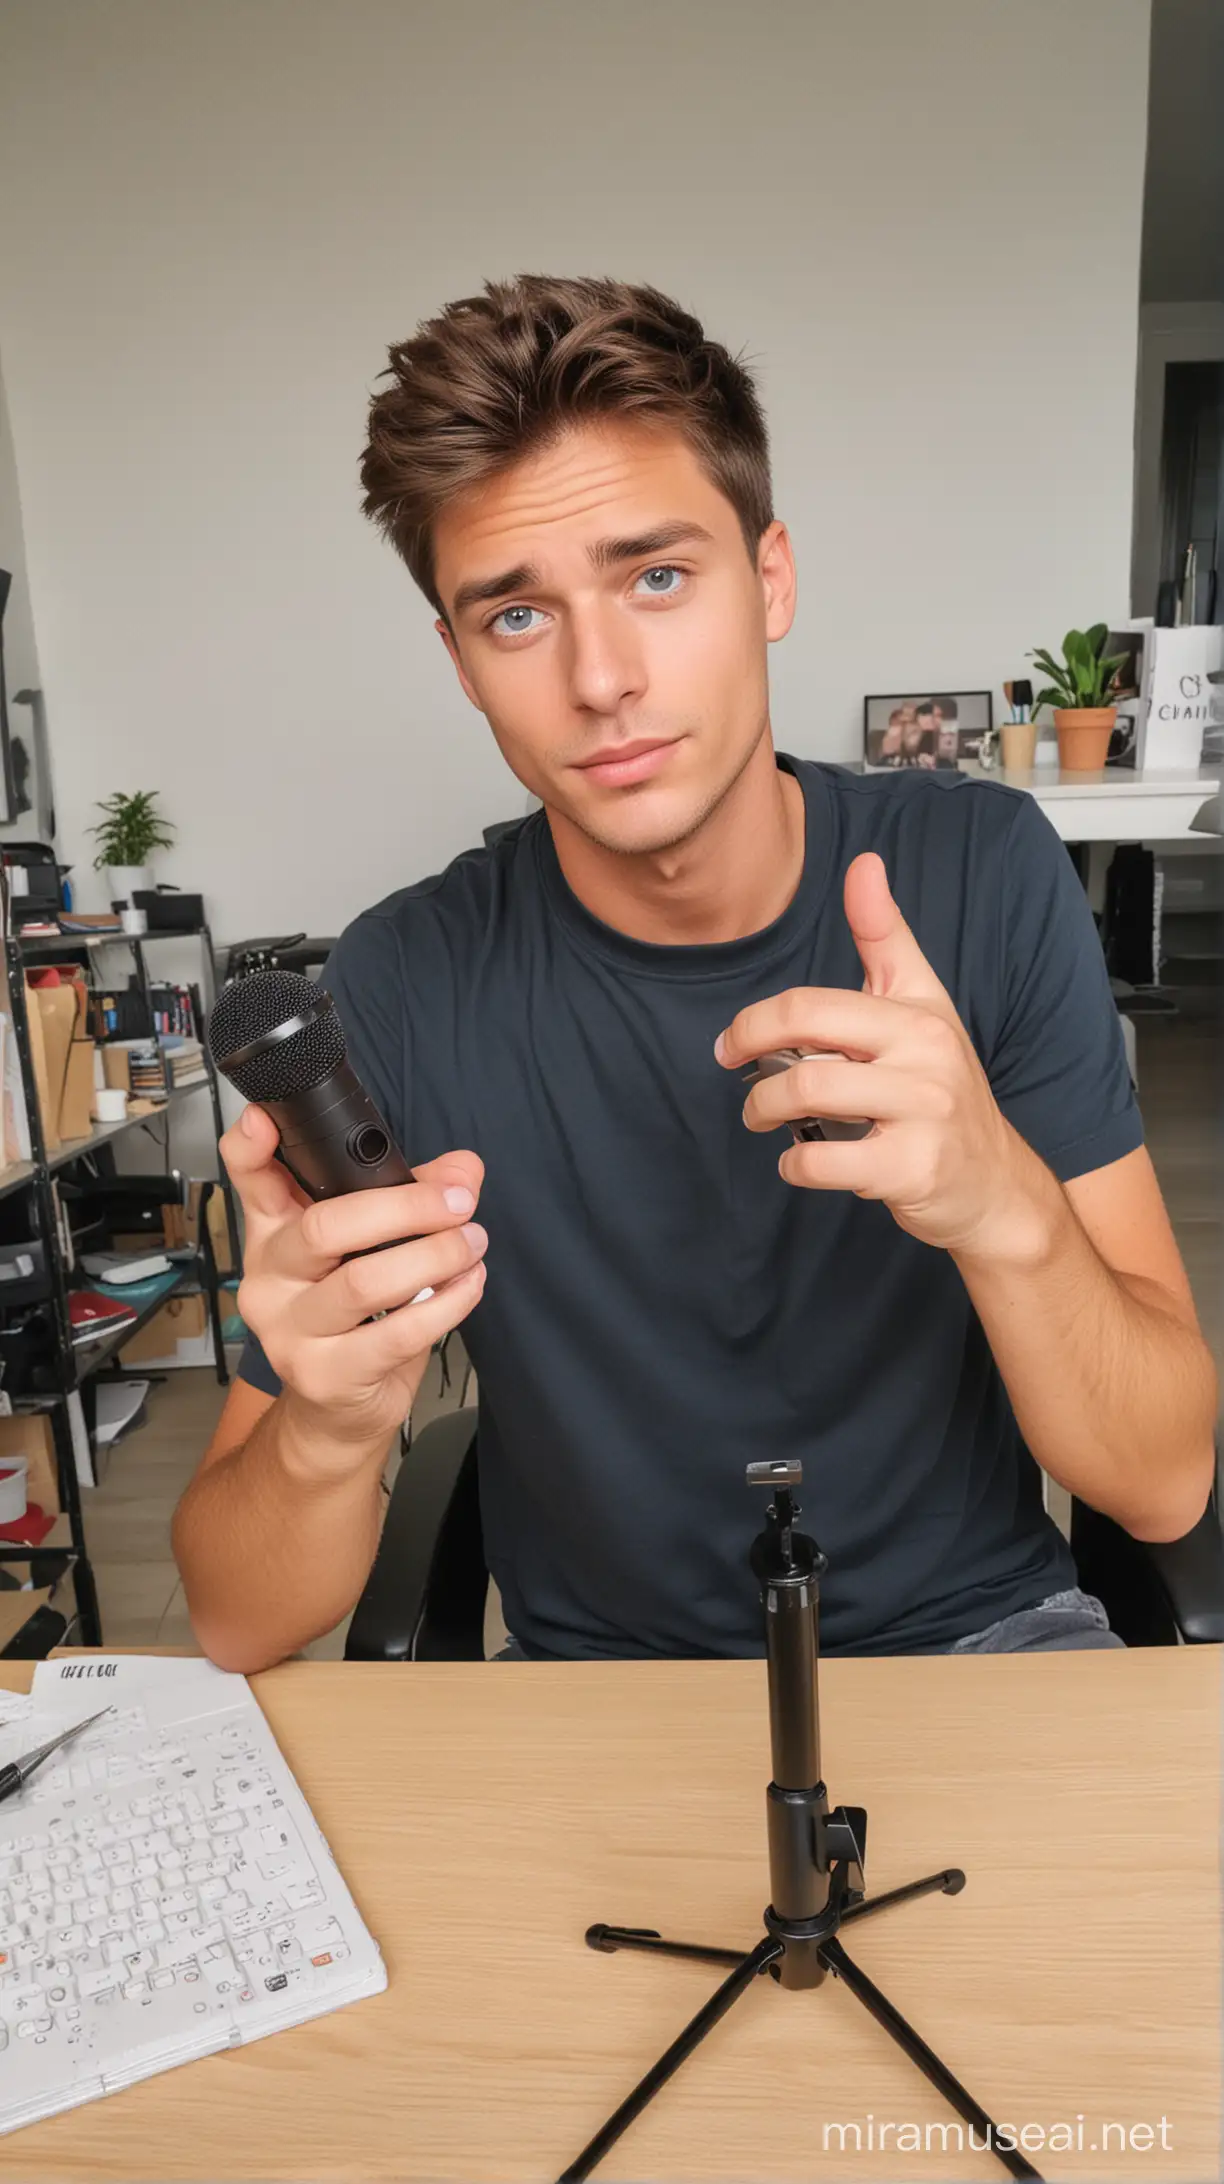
(733, 877)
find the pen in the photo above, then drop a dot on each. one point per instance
(15, 1776)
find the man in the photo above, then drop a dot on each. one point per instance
(918, 737)
(578, 480)
(891, 740)
(945, 719)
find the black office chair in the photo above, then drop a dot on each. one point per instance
(425, 1596)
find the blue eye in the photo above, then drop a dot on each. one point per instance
(514, 621)
(658, 583)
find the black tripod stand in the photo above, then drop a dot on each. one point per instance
(815, 1855)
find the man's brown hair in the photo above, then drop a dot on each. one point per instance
(496, 376)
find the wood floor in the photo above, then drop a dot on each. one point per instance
(128, 1516)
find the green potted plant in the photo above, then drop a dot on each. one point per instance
(1079, 690)
(130, 829)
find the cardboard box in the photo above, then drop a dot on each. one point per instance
(117, 1067)
(218, 1226)
(48, 1108)
(65, 1078)
(182, 1225)
(179, 1320)
(75, 1115)
(32, 1438)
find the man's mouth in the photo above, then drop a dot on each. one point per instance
(619, 765)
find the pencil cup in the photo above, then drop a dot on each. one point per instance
(1019, 745)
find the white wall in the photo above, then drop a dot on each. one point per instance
(217, 215)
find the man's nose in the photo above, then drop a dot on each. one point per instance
(605, 664)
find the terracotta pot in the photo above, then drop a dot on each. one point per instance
(1083, 736)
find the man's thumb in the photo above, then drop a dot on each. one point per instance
(892, 961)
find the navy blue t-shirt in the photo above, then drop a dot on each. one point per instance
(661, 1308)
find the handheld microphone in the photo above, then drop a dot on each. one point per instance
(278, 1039)
(813, 1127)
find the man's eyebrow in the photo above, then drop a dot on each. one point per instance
(482, 589)
(607, 552)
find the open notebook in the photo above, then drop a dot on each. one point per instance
(164, 1889)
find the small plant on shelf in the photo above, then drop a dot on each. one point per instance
(130, 829)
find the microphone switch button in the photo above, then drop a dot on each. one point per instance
(369, 1144)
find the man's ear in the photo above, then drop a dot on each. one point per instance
(446, 633)
(779, 584)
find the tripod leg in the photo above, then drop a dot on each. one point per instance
(609, 1939)
(950, 1882)
(911, 2043)
(765, 1953)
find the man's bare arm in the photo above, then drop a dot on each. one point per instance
(272, 1554)
(1093, 1328)
(276, 1533)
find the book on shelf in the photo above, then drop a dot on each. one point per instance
(151, 1069)
(92, 1316)
(184, 1061)
(90, 921)
(138, 1012)
(141, 1072)
(119, 1268)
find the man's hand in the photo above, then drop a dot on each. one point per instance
(942, 1157)
(343, 1333)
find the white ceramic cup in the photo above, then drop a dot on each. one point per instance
(109, 1103)
(14, 1472)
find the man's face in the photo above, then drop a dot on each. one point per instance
(603, 607)
(913, 732)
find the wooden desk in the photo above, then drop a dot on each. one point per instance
(485, 1815)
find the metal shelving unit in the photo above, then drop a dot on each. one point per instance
(105, 1133)
(65, 1547)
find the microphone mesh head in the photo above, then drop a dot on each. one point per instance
(249, 1009)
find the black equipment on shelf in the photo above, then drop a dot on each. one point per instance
(285, 952)
(816, 1853)
(39, 899)
(167, 910)
(127, 1205)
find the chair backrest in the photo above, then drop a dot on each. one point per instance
(451, 1623)
(424, 1599)
(1155, 1592)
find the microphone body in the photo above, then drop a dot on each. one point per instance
(333, 1139)
(277, 1038)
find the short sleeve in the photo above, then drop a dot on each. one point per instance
(253, 1367)
(1058, 1065)
(363, 978)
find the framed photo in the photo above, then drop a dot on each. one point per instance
(935, 729)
